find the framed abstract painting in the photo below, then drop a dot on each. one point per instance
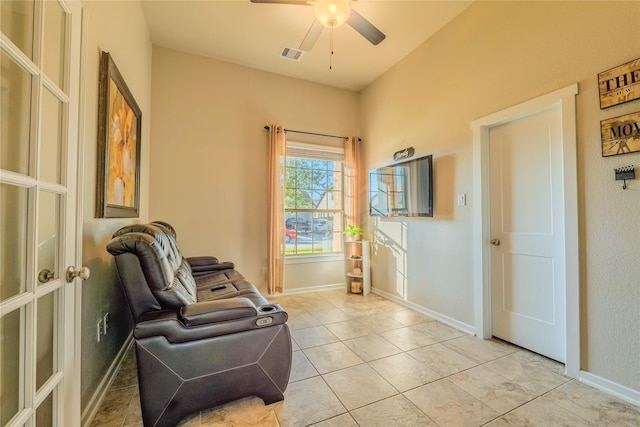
(119, 128)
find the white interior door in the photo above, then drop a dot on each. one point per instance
(527, 233)
(39, 84)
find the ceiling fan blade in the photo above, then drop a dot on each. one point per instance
(300, 2)
(364, 27)
(312, 36)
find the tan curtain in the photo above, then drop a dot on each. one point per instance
(275, 251)
(352, 182)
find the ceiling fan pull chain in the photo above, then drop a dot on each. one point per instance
(330, 47)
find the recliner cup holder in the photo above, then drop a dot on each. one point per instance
(266, 308)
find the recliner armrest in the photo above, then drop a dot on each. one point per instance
(217, 311)
(202, 260)
(169, 324)
(206, 264)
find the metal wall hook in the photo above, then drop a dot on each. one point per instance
(624, 173)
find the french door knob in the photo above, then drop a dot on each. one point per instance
(495, 242)
(83, 272)
(45, 275)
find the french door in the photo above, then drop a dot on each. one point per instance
(39, 84)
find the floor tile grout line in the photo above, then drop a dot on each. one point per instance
(455, 349)
(558, 406)
(544, 397)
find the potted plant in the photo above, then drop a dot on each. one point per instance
(354, 233)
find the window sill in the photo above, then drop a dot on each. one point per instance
(309, 259)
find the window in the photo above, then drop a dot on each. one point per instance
(313, 199)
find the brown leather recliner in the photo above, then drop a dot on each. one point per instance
(203, 334)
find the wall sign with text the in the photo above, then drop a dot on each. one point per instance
(620, 84)
(620, 135)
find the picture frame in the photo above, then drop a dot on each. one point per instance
(619, 84)
(620, 135)
(119, 138)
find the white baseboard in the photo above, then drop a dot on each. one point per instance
(607, 386)
(319, 288)
(615, 389)
(438, 316)
(92, 407)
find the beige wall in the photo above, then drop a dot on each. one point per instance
(204, 172)
(209, 156)
(120, 28)
(495, 55)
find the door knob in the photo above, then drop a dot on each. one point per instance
(82, 272)
(495, 242)
(45, 275)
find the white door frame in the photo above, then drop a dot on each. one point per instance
(565, 99)
(63, 383)
(73, 393)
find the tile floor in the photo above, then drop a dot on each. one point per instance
(367, 361)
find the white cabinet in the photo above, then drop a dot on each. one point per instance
(357, 266)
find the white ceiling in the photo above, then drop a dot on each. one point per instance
(253, 35)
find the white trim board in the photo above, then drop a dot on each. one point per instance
(461, 326)
(319, 288)
(602, 384)
(98, 396)
(607, 386)
(565, 98)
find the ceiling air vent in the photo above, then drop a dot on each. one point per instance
(291, 53)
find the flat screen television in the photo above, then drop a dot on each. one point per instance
(403, 189)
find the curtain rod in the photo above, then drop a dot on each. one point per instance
(313, 133)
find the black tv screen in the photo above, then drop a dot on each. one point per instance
(403, 189)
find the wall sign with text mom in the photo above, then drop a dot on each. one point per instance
(620, 135)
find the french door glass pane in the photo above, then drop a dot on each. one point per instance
(51, 139)
(45, 338)
(15, 111)
(11, 351)
(16, 22)
(54, 41)
(48, 232)
(13, 250)
(44, 413)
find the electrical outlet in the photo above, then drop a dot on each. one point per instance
(99, 327)
(105, 323)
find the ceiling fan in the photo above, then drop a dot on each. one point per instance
(331, 14)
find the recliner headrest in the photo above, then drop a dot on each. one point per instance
(163, 233)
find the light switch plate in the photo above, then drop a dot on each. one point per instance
(462, 199)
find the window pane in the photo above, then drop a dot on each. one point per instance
(313, 204)
(319, 181)
(54, 41)
(10, 352)
(322, 246)
(48, 232)
(16, 22)
(15, 111)
(44, 413)
(303, 199)
(13, 229)
(291, 179)
(329, 200)
(322, 224)
(51, 137)
(45, 338)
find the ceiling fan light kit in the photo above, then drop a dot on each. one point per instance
(332, 13)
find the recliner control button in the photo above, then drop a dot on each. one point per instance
(264, 321)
